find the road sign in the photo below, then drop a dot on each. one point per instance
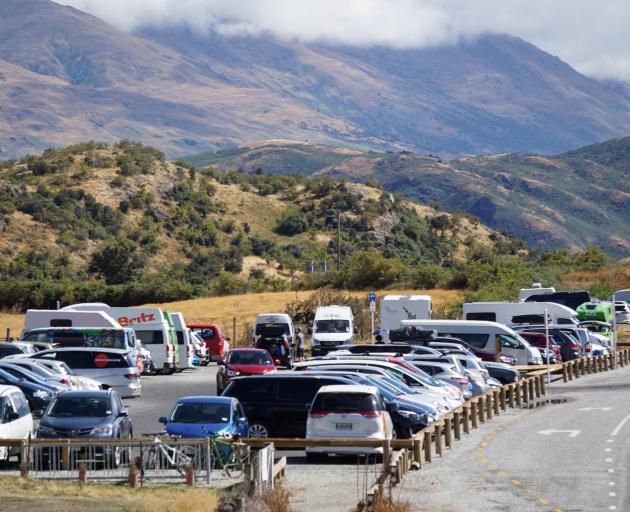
(372, 297)
(572, 433)
(372, 306)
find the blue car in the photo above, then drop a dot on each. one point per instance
(197, 416)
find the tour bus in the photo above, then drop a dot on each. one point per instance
(396, 308)
(510, 313)
(332, 326)
(185, 345)
(151, 325)
(483, 336)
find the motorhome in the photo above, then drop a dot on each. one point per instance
(596, 311)
(536, 289)
(151, 326)
(623, 295)
(40, 318)
(569, 299)
(510, 313)
(332, 326)
(484, 336)
(185, 344)
(122, 338)
(396, 308)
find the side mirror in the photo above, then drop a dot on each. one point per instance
(221, 362)
(37, 413)
(124, 412)
(163, 420)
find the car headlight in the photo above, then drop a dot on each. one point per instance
(41, 394)
(233, 373)
(104, 430)
(414, 416)
(46, 430)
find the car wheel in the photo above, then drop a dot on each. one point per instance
(402, 433)
(259, 429)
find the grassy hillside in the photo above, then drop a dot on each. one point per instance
(122, 224)
(567, 202)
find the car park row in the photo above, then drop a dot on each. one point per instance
(74, 375)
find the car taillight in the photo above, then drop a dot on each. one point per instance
(370, 414)
(574, 345)
(64, 381)
(460, 380)
(318, 414)
(132, 376)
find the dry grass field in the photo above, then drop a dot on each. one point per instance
(244, 308)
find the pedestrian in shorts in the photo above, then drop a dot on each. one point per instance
(299, 352)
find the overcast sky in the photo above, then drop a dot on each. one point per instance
(591, 35)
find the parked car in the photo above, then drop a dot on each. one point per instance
(539, 340)
(277, 404)
(23, 373)
(347, 411)
(89, 414)
(9, 348)
(446, 372)
(38, 396)
(217, 345)
(113, 368)
(243, 362)
(622, 312)
(16, 421)
(570, 347)
(58, 370)
(197, 416)
(504, 373)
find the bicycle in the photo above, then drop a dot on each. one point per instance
(163, 455)
(227, 453)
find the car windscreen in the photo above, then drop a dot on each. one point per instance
(80, 407)
(345, 402)
(332, 326)
(200, 413)
(272, 330)
(249, 358)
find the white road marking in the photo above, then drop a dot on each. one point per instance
(609, 459)
(610, 440)
(595, 409)
(611, 484)
(620, 426)
(612, 507)
(608, 450)
(612, 494)
(611, 470)
(572, 433)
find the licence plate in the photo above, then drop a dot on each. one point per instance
(343, 426)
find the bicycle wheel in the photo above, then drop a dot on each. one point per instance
(185, 457)
(234, 463)
(152, 459)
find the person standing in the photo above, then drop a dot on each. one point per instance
(299, 352)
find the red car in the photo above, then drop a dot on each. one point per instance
(539, 340)
(216, 344)
(243, 361)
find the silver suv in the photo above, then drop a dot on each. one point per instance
(113, 368)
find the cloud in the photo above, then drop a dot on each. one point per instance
(591, 35)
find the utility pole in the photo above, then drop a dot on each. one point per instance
(338, 241)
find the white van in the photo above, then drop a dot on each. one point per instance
(38, 318)
(622, 295)
(150, 325)
(483, 336)
(185, 344)
(16, 421)
(396, 308)
(332, 326)
(274, 325)
(508, 313)
(536, 289)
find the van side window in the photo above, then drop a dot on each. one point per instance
(78, 359)
(476, 340)
(252, 390)
(20, 404)
(508, 341)
(486, 317)
(61, 322)
(297, 390)
(151, 337)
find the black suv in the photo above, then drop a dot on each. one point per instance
(277, 405)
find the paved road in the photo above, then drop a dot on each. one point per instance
(159, 393)
(571, 456)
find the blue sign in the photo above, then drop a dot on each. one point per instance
(372, 297)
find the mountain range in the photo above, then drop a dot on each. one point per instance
(568, 201)
(67, 76)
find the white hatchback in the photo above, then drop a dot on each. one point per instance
(347, 411)
(16, 421)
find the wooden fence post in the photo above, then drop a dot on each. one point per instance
(466, 419)
(427, 446)
(473, 413)
(437, 437)
(447, 432)
(489, 405)
(457, 425)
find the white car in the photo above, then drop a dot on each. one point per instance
(16, 421)
(347, 411)
(622, 312)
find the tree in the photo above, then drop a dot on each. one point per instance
(368, 269)
(115, 260)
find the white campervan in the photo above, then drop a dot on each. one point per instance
(511, 313)
(41, 318)
(274, 325)
(332, 326)
(185, 344)
(396, 308)
(150, 325)
(483, 336)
